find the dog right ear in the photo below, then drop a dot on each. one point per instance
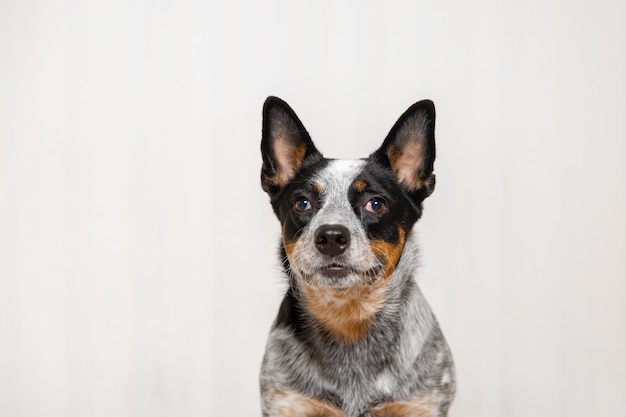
(409, 150)
(285, 145)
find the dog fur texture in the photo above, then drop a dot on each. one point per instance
(354, 336)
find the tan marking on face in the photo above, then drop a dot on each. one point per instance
(389, 253)
(289, 158)
(359, 185)
(291, 404)
(345, 313)
(419, 407)
(406, 163)
(318, 187)
(289, 245)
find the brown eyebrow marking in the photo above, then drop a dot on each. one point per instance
(359, 185)
(318, 187)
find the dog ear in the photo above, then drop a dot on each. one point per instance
(409, 149)
(285, 145)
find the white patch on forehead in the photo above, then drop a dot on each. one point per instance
(341, 172)
(336, 180)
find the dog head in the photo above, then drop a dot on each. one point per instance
(345, 222)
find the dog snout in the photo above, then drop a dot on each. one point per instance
(332, 239)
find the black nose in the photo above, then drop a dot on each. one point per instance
(332, 239)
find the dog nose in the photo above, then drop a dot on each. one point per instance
(332, 239)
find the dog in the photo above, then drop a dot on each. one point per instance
(354, 336)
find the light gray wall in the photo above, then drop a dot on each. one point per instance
(138, 274)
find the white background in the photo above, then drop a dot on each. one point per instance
(138, 270)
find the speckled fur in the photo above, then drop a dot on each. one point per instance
(398, 364)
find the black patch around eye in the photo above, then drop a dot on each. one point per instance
(302, 186)
(400, 211)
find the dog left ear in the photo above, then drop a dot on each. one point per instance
(285, 145)
(409, 149)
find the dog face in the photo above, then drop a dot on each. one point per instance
(345, 222)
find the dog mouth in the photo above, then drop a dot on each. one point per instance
(336, 270)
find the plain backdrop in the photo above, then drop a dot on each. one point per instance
(138, 267)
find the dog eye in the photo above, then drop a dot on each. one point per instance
(302, 204)
(376, 205)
